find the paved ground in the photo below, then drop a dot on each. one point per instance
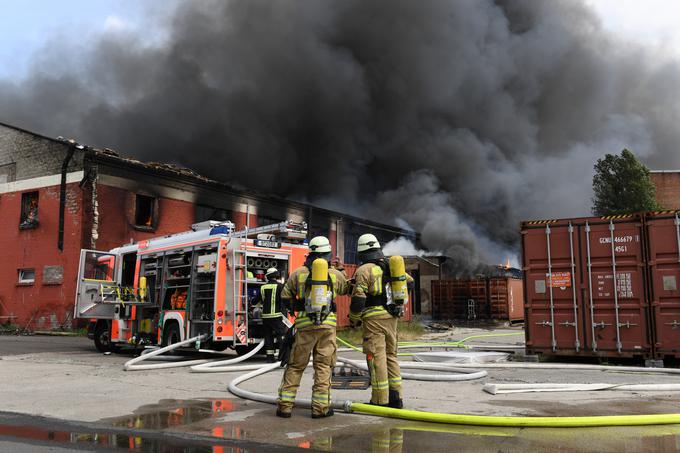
(64, 378)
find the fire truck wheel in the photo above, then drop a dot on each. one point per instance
(102, 337)
(171, 334)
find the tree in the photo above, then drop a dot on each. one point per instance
(622, 185)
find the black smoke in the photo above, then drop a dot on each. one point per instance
(459, 118)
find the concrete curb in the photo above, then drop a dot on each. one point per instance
(55, 334)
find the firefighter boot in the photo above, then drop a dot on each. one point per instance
(282, 414)
(328, 413)
(395, 401)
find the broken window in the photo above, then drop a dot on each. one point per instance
(26, 276)
(29, 210)
(145, 211)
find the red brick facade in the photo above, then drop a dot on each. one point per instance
(40, 305)
(49, 305)
(667, 188)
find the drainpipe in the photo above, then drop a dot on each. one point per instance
(62, 193)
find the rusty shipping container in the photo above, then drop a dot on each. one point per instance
(342, 302)
(506, 298)
(585, 287)
(478, 298)
(459, 299)
(663, 263)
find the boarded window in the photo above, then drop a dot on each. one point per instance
(26, 276)
(29, 210)
(53, 275)
(145, 211)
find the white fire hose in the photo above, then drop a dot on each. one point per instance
(461, 373)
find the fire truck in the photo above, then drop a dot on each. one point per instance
(199, 282)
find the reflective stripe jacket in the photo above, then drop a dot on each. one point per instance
(369, 282)
(295, 289)
(270, 299)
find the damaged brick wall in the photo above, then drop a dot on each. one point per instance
(117, 213)
(47, 302)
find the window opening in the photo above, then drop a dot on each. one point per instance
(26, 276)
(99, 266)
(144, 211)
(29, 210)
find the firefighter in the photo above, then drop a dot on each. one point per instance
(369, 308)
(269, 301)
(310, 291)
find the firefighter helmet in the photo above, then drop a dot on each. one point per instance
(367, 242)
(319, 245)
(272, 272)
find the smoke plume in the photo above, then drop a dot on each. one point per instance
(460, 118)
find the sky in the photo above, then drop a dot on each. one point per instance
(27, 25)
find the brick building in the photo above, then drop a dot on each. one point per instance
(667, 184)
(57, 198)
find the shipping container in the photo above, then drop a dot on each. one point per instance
(585, 287)
(342, 302)
(663, 260)
(451, 300)
(506, 298)
(478, 298)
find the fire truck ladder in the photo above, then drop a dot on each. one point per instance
(240, 300)
(294, 230)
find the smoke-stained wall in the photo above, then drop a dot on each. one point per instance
(457, 118)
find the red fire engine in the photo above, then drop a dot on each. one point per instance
(167, 289)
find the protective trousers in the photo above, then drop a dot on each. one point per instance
(380, 347)
(274, 329)
(318, 341)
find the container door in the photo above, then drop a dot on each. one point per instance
(515, 299)
(553, 323)
(97, 292)
(616, 308)
(664, 265)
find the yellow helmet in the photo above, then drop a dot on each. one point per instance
(320, 244)
(367, 242)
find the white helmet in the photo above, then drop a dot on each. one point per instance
(367, 242)
(320, 244)
(271, 271)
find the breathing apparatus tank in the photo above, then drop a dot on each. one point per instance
(318, 300)
(143, 290)
(396, 290)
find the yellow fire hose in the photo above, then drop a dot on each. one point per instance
(517, 421)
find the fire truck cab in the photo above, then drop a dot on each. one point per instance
(200, 282)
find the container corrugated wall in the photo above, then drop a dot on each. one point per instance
(663, 258)
(585, 286)
(506, 298)
(480, 298)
